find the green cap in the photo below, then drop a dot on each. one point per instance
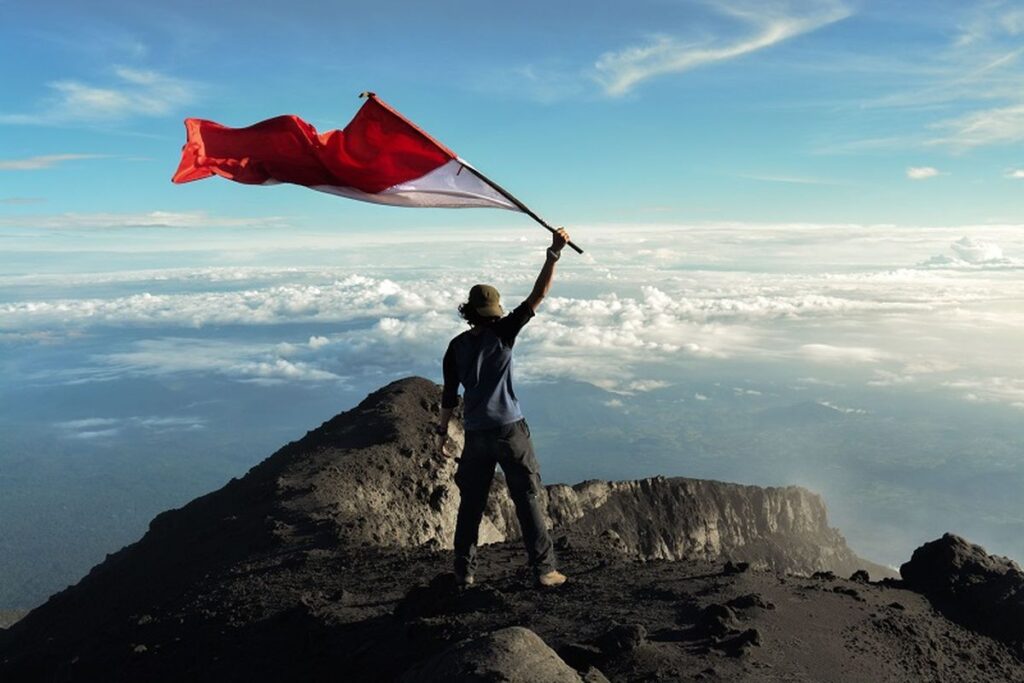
(486, 301)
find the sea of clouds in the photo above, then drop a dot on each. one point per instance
(886, 305)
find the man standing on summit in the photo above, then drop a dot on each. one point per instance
(481, 360)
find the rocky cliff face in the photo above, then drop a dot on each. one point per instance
(370, 476)
(784, 529)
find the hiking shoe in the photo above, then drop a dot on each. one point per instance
(464, 580)
(551, 579)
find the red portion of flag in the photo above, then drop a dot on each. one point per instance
(378, 149)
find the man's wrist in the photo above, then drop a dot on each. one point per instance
(554, 254)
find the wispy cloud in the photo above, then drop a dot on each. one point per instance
(992, 389)
(620, 71)
(960, 96)
(17, 201)
(545, 83)
(828, 353)
(922, 172)
(103, 427)
(150, 219)
(788, 179)
(1016, 174)
(998, 125)
(131, 93)
(39, 163)
(952, 76)
(993, 20)
(842, 409)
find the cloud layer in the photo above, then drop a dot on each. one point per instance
(628, 321)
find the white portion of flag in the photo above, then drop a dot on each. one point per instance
(451, 186)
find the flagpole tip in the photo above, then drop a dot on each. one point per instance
(367, 93)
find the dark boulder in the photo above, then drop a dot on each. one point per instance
(860, 576)
(622, 638)
(717, 621)
(511, 655)
(750, 600)
(981, 591)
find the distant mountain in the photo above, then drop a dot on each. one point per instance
(312, 566)
(802, 414)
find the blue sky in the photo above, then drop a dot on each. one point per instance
(593, 112)
(802, 221)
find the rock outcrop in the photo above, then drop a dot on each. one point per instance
(981, 591)
(513, 655)
(780, 528)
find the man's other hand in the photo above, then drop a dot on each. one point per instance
(442, 446)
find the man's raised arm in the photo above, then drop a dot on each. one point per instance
(547, 272)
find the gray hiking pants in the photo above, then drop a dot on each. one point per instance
(509, 446)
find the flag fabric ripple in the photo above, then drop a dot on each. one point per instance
(379, 157)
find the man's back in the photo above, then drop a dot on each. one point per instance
(481, 360)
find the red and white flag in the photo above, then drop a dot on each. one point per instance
(380, 157)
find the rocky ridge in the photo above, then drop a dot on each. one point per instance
(370, 476)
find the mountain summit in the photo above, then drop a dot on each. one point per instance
(328, 560)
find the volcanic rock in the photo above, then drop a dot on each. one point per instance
(750, 600)
(622, 638)
(735, 567)
(717, 621)
(860, 576)
(509, 655)
(581, 655)
(740, 643)
(984, 592)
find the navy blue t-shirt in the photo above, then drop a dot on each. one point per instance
(482, 363)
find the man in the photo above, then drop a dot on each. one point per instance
(481, 360)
